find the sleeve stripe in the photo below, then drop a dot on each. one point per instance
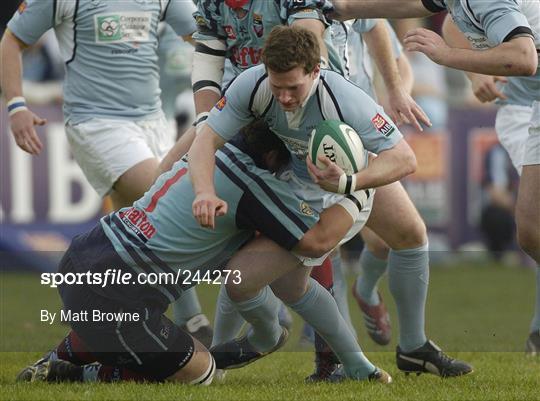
(520, 30)
(334, 101)
(202, 84)
(255, 89)
(55, 6)
(468, 10)
(202, 48)
(165, 11)
(266, 189)
(431, 6)
(74, 32)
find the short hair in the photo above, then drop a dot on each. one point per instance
(288, 47)
(259, 140)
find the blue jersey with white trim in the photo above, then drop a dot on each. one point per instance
(159, 233)
(487, 24)
(244, 35)
(333, 98)
(110, 51)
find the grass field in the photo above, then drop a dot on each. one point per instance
(477, 313)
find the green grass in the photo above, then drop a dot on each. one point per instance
(479, 313)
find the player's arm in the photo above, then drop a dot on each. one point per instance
(206, 205)
(484, 87)
(389, 166)
(515, 56)
(402, 106)
(22, 120)
(334, 223)
(349, 9)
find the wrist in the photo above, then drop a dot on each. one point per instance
(16, 104)
(347, 184)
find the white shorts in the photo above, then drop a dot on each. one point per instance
(106, 148)
(319, 200)
(518, 129)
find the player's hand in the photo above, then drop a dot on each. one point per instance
(206, 207)
(427, 42)
(403, 109)
(22, 126)
(485, 87)
(327, 178)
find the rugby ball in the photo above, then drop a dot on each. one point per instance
(340, 143)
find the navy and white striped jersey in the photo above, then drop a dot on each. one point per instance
(159, 234)
(333, 98)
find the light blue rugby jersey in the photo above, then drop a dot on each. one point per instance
(487, 24)
(159, 233)
(347, 37)
(110, 51)
(334, 98)
(244, 38)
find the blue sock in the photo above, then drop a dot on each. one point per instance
(340, 291)
(408, 278)
(261, 312)
(372, 269)
(535, 325)
(186, 307)
(228, 321)
(319, 309)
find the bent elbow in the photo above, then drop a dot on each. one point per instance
(313, 247)
(529, 62)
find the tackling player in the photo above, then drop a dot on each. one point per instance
(159, 235)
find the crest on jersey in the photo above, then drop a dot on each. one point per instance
(22, 7)
(258, 27)
(381, 125)
(230, 32)
(221, 103)
(306, 209)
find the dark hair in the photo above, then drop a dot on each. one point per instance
(259, 140)
(288, 47)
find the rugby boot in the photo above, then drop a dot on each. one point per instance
(429, 358)
(532, 347)
(377, 376)
(239, 352)
(376, 318)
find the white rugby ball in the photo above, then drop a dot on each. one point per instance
(340, 143)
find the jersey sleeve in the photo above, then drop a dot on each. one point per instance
(179, 15)
(32, 19)
(292, 10)
(364, 25)
(270, 207)
(435, 6)
(357, 109)
(233, 110)
(209, 20)
(501, 20)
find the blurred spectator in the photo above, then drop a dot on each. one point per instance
(499, 192)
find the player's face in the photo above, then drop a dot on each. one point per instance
(291, 88)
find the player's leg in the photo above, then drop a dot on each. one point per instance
(528, 216)
(395, 219)
(260, 262)
(317, 307)
(373, 264)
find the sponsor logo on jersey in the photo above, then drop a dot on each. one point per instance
(230, 32)
(246, 57)
(22, 7)
(221, 103)
(136, 220)
(258, 27)
(381, 125)
(306, 209)
(124, 27)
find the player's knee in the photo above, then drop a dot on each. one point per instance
(413, 235)
(242, 291)
(377, 246)
(289, 292)
(529, 239)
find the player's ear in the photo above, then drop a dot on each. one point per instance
(316, 70)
